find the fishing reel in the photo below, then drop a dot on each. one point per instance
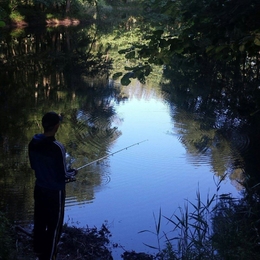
(70, 180)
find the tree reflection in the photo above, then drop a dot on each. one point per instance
(218, 117)
(215, 117)
(60, 70)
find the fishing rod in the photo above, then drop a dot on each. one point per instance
(111, 154)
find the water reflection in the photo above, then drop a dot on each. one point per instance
(53, 70)
(192, 135)
(209, 145)
(156, 174)
(210, 120)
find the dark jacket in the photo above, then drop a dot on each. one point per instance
(48, 160)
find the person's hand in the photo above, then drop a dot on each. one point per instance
(71, 176)
(75, 172)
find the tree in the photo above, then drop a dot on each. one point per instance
(203, 31)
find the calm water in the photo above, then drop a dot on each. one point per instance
(125, 190)
(157, 174)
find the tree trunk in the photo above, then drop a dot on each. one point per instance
(68, 6)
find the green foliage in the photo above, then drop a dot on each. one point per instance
(16, 16)
(212, 31)
(31, 10)
(46, 3)
(236, 229)
(76, 243)
(192, 228)
(220, 228)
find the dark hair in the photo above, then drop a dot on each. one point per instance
(49, 120)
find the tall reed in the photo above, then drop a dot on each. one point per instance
(220, 228)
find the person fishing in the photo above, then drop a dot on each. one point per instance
(47, 159)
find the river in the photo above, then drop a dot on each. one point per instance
(163, 168)
(158, 174)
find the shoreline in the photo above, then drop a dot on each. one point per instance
(64, 22)
(53, 22)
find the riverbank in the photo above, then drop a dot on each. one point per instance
(28, 16)
(54, 22)
(75, 243)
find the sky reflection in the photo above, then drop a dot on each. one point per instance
(157, 174)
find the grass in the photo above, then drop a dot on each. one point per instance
(222, 227)
(191, 233)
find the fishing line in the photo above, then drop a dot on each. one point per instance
(111, 154)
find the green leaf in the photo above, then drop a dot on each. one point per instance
(158, 32)
(257, 41)
(153, 247)
(163, 43)
(220, 48)
(117, 75)
(129, 68)
(2, 23)
(136, 69)
(147, 71)
(179, 50)
(125, 50)
(210, 48)
(145, 52)
(126, 79)
(130, 55)
(242, 47)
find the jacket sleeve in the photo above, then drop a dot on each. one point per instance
(68, 174)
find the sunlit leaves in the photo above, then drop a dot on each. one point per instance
(257, 40)
(214, 30)
(242, 48)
